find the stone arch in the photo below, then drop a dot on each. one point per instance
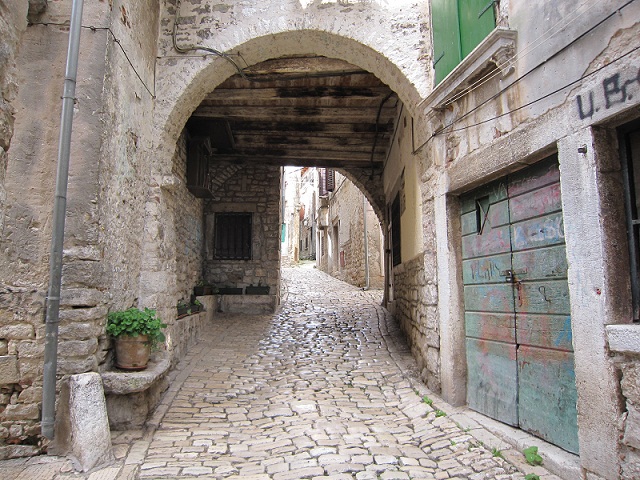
(370, 185)
(182, 85)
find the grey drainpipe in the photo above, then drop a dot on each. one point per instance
(59, 211)
(366, 242)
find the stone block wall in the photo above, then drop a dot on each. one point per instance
(188, 216)
(416, 311)
(256, 190)
(36, 65)
(13, 21)
(346, 206)
(630, 421)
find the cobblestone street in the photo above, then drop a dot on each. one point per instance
(323, 389)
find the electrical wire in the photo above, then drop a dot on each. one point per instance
(116, 40)
(242, 71)
(393, 137)
(548, 94)
(375, 136)
(528, 49)
(517, 80)
(528, 104)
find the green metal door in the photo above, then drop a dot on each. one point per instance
(518, 325)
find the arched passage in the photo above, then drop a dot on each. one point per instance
(183, 83)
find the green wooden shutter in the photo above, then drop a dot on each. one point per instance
(477, 20)
(446, 36)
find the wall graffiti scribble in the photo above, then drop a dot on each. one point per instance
(615, 91)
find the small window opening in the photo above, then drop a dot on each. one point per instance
(232, 236)
(482, 213)
(629, 138)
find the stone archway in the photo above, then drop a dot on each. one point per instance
(184, 82)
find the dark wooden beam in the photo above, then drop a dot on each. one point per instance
(294, 161)
(293, 114)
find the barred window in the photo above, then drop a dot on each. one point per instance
(629, 137)
(232, 236)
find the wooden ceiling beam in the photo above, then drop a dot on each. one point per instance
(293, 114)
(293, 161)
(313, 127)
(309, 140)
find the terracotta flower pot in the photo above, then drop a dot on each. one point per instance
(132, 353)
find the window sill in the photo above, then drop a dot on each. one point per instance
(624, 338)
(495, 51)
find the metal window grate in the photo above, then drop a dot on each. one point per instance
(629, 138)
(232, 236)
(330, 179)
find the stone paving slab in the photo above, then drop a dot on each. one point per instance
(324, 389)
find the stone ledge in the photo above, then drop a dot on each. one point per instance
(123, 383)
(247, 304)
(496, 51)
(624, 339)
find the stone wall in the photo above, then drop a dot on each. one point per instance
(26, 216)
(624, 349)
(416, 303)
(188, 216)
(630, 421)
(256, 190)
(346, 207)
(13, 21)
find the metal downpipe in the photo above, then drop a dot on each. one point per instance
(59, 211)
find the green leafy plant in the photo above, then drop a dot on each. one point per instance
(496, 453)
(531, 456)
(440, 413)
(427, 400)
(183, 308)
(531, 476)
(134, 322)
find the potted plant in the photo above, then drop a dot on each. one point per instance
(183, 309)
(257, 290)
(196, 306)
(135, 332)
(202, 288)
(230, 290)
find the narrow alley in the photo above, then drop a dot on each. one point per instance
(322, 389)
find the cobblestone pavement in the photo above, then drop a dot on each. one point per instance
(322, 390)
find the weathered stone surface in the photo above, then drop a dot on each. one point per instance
(36, 7)
(17, 331)
(77, 348)
(79, 331)
(69, 366)
(345, 211)
(632, 428)
(82, 427)
(81, 297)
(21, 412)
(122, 383)
(30, 395)
(9, 369)
(242, 192)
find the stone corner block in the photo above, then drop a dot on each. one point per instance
(9, 369)
(82, 426)
(624, 338)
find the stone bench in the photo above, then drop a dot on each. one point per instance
(131, 396)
